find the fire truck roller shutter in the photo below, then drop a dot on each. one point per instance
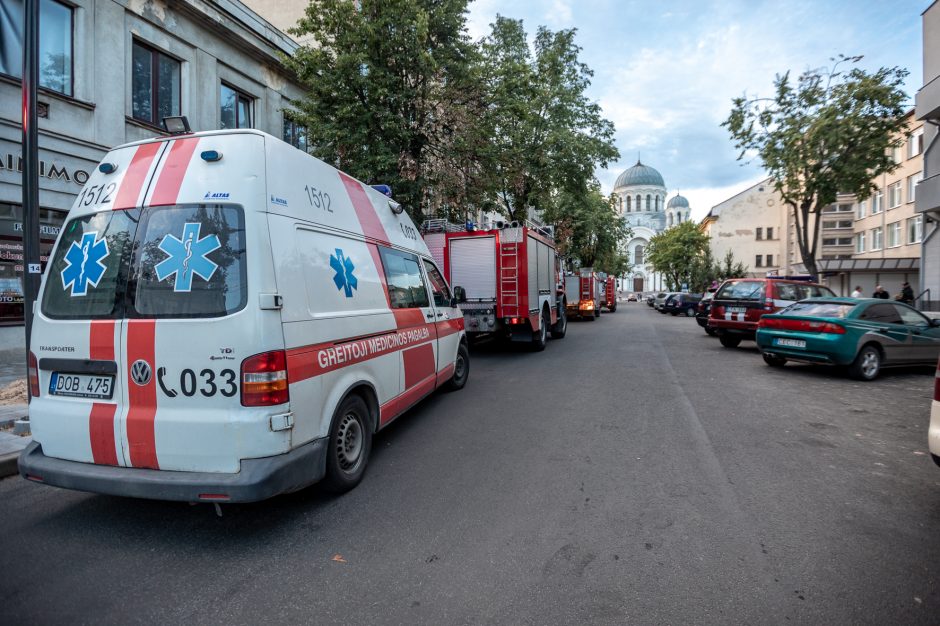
(532, 258)
(546, 263)
(473, 266)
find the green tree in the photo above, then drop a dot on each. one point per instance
(546, 137)
(675, 253)
(391, 95)
(588, 229)
(828, 134)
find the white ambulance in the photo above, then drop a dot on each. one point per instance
(225, 318)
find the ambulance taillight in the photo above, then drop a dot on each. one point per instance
(33, 372)
(264, 379)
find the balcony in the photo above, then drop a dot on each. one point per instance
(927, 101)
(928, 194)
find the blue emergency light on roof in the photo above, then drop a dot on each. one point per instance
(383, 189)
(211, 155)
(107, 168)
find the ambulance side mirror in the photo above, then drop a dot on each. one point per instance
(460, 295)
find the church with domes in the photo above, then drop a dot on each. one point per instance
(640, 196)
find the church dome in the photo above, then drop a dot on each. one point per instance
(677, 202)
(640, 174)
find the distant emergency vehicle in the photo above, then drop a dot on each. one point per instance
(225, 318)
(506, 278)
(584, 294)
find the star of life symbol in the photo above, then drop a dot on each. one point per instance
(344, 278)
(187, 257)
(85, 267)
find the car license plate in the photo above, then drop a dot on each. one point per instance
(81, 385)
(736, 309)
(790, 343)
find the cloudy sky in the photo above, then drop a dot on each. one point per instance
(665, 72)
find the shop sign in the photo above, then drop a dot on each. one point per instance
(47, 169)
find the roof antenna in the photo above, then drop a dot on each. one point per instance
(638, 158)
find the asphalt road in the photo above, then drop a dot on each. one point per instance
(634, 472)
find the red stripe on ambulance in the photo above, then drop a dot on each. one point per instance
(142, 399)
(133, 181)
(370, 222)
(101, 419)
(174, 170)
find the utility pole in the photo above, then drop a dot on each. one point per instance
(32, 272)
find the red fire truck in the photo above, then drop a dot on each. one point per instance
(507, 276)
(583, 293)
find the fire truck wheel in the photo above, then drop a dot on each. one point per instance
(597, 312)
(349, 445)
(541, 337)
(461, 369)
(561, 326)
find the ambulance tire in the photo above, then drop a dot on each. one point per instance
(461, 369)
(540, 339)
(349, 445)
(561, 326)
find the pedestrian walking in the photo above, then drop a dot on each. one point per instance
(907, 294)
(858, 292)
(880, 292)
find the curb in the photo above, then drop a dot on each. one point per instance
(8, 464)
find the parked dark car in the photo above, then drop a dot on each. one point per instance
(682, 304)
(701, 314)
(651, 299)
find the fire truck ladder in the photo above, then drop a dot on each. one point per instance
(509, 278)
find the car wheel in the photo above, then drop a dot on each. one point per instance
(689, 313)
(561, 326)
(867, 363)
(541, 338)
(773, 360)
(461, 369)
(710, 331)
(349, 444)
(729, 341)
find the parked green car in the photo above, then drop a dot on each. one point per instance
(865, 334)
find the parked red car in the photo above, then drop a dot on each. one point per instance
(740, 303)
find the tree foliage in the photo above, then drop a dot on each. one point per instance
(390, 94)
(708, 272)
(827, 134)
(545, 136)
(675, 253)
(589, 229)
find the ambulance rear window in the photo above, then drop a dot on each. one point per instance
(86, 277)
(189, 262)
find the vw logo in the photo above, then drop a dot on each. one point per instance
(141, 372)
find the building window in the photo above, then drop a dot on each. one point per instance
(845, 208)
(629, 202)
(770, 260)
(235, 108)
(912, 185)
(639, 203)
(657, 203)
(638, 255)
(829, 242)
(759, 260)
(896, 153)
(844, 241)
(894, 234)
(877, 202)
(860, 242)
(296, 135)
(894, 195)
(861, 208)
(915, 143)
(649, 205)
(915, 229)
(155, 85)
(669, 219)
(770, 232)
(758, 233)
(55, 43)
(877, 238)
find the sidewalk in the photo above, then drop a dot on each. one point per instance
(12, 368)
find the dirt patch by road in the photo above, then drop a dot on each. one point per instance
(13, 393)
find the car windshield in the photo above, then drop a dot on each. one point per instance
(819, 309)
(742, 290)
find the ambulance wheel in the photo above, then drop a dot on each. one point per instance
(349, 445)
(541, 336)
(461, 369)
(561, 326)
